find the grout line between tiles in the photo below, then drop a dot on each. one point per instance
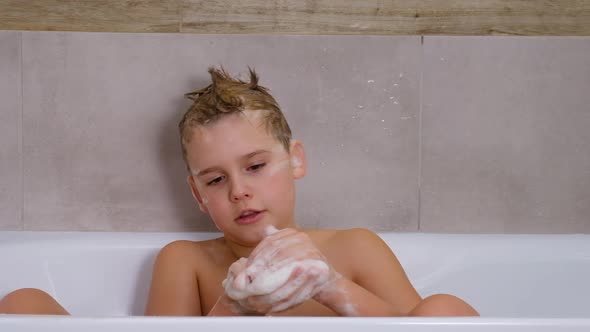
(21, 144)
(420, 104)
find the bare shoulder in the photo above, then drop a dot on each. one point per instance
(357, 237)
(188, 255)
(368, 261)
(362, 244)
(181, 248)
(350, 249)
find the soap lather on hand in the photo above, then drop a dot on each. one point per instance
(283, 271)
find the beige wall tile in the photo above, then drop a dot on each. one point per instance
(354, 102)
(505, 139)
(10, 132)
(101, 151)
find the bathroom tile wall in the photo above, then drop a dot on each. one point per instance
(505, 135)
(10, 132)
(441, 134)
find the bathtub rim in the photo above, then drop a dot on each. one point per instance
(263, 324)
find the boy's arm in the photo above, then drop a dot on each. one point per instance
(225, 307)
(379, 285)
(174, 289)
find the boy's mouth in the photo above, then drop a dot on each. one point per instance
(249, 216)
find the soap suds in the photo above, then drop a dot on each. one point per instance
(280, 281)
(343, 305)
(268, 281)
(270, 230)
(278, 166)
(296, 162)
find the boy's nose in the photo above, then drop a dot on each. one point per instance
(239, 192)
(238, 196)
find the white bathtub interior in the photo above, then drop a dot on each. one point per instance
(107, 274)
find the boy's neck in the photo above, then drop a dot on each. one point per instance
(237, 250)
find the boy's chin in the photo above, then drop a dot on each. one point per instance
(250, 236)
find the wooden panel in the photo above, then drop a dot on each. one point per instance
(377, 17)
(413, 17)
(102, 15)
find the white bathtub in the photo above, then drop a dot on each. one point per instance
(516, 282)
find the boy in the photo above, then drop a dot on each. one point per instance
(242, 166)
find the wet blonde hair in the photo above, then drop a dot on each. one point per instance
(227, 95)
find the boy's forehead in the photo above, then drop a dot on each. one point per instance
(230, 137)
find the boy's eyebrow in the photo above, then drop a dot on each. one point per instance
(246, 156)
(207, 170)
(252, 154)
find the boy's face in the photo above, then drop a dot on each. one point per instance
(243, 177)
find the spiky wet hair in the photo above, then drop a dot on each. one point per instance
(228, 95)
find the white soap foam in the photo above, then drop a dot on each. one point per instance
(343, 306)
(287, 290)
(267, 281)
(260, 278)
(304, 295)
(279, 166)
(263, 278)
(270, 230)
(320, 277)
(296, 162)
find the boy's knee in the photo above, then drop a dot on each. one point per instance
(25, 294)
(443, 305)
(30, 301)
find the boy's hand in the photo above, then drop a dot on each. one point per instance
(284, 270)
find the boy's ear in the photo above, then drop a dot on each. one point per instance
(298, 162)
(191, 183)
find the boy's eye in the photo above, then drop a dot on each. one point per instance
(215, 181)
(256, 167)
